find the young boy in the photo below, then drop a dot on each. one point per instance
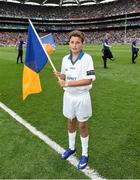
(77, 74)
(20, 49)
(107, 54)
(135, 49)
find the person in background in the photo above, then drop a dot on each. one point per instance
(107, 54)
(20, 49)
(134, 49)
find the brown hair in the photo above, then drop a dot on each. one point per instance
(77, 33)
(108, 35)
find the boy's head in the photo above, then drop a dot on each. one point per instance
(108, 35)
(78, 34)
(76, 39)
(20, 37)
(134, 36)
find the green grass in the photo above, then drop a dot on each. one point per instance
(114, 127)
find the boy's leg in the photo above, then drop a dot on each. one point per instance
(84, 142)
(18, 57)
(110, 56)
(136, 55)
(21, 56)
(83, 113)
(72, 137)
(84, 137)
(72, 133)
(133, 57)
(105, 61)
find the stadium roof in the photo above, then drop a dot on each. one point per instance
(59, 2)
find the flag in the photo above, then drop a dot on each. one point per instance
(31, 82)
(35, 57)
(48, 43)
(35, 60)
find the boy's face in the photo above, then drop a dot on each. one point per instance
(75, 44)
(108, 36)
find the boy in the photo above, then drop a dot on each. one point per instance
(135, 50)
(107, 54)
(20, 49)
(77, 74)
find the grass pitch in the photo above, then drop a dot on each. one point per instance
(114, 127)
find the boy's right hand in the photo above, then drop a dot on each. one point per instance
(57, 74)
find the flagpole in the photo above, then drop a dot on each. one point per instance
(125, 27)
(43, 47)
(51, 62)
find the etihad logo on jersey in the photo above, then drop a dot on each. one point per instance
(72, 68)
(71, 78)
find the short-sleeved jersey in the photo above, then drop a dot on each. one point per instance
(105, 41)
(82, 68)
(134, 49)
(20, 45)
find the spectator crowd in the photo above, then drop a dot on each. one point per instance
(96, 37)
(92, 11)
(80, 12)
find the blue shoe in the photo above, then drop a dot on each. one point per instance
(83, 162)
(67, 153)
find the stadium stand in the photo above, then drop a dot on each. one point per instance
(94, 20)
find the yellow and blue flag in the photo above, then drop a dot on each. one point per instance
(35, 60)
(35, 57)
(31, 82)
(48, 43)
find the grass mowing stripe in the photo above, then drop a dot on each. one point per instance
(87, 171)
(114, 126)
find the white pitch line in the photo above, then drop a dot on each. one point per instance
(91, 173)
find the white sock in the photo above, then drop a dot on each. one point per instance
(84, 143)
(72, 137)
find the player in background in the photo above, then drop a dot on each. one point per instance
(107, 54)
(20, 49)
(134, 49)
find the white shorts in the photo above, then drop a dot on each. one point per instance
(77, 106)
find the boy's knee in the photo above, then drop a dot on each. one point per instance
(71, 125)
(82, 125)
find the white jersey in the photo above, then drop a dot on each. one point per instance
(82, 68)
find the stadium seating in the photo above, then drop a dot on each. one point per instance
(94, 20)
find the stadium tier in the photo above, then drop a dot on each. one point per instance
(114, 17)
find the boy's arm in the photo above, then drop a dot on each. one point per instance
(82, 82)
(107, 45)
(134, 46)
(59, 75)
